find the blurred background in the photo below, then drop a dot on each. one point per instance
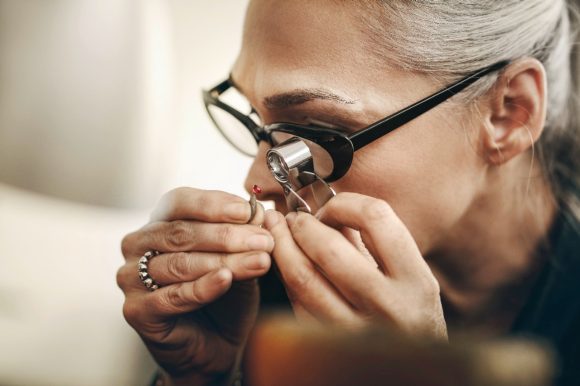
(100, 114)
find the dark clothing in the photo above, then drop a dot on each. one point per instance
(552, 312)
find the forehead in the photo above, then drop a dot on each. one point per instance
(290, 44)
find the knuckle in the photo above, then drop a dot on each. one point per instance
(170, 201)
(197, 293)
(178, 265)
(204, 202)
(332, 251)
(222, 260)
(427, 285)
(376, 210)
(123, 278)
(167, 301)
(173, 298)
(127, 243)
(166, 202)
(178, 194)
(177, 297)
(178, 235)
(131, 312)
(299, 281)
(224, 234)
(430, 286)
(208, 203)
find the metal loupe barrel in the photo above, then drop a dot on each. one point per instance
(289, 155)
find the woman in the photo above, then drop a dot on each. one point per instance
(470, 210)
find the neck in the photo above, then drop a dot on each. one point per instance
(487, 262)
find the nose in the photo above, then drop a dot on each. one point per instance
(259, 174)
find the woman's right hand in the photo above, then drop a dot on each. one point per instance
(196, 324)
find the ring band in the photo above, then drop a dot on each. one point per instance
(144, 276)
(253, 207)
(254, 202)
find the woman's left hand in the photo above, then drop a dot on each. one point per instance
(329, 279)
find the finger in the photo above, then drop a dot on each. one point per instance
(355, 239)
(176, 299)
(203, 205)
(351, 322)
(303, 316)
(304, 284)
(169, 268)
(179, 236)
(384, 234)
(345, 267)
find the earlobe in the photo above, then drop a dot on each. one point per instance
(516, 111)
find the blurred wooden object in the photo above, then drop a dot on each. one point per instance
(281, 353)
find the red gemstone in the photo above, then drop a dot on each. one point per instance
(256, 189)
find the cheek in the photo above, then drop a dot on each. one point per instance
(429, 174)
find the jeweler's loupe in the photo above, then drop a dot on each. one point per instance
(292, 165)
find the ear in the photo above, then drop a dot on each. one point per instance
(515, 111)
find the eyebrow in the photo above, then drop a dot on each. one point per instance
(301, 96)
(297, 97)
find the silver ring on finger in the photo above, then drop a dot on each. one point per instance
(143, 267)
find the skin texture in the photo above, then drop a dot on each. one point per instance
(197, 322)
(444, 206)
(447, 175)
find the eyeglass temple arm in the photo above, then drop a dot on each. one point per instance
(365, 136)
(221, 87)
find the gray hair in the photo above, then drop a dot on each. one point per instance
(448, 39)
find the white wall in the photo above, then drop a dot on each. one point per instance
(99, 107)
(207, 40)
(100, 100)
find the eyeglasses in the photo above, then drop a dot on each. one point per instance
(332, 150)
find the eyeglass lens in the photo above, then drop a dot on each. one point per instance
(241, 137)
(234, 130)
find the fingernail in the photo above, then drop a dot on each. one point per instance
(220, 276)
(291, 217)
(237, 210)
(260, 242)
(256, 262)
(270, 219)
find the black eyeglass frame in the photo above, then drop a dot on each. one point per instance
(339, 145)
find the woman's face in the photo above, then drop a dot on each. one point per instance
(305, 60)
